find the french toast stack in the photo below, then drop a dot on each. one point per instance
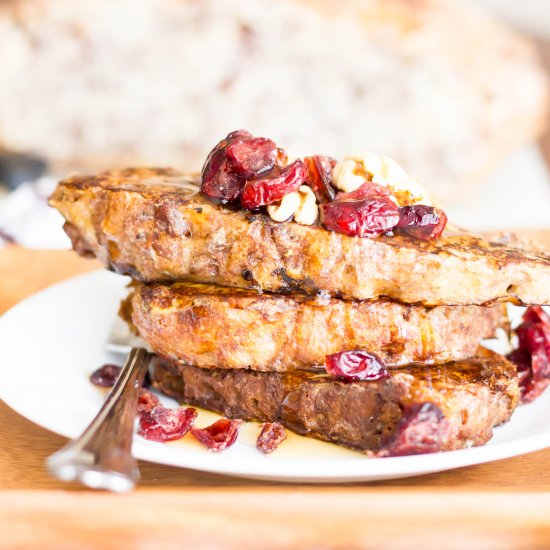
(361, 328)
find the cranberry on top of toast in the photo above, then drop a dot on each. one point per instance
(376, 195)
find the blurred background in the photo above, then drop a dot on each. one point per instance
(456, 91)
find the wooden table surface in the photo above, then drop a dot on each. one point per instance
(505, 504)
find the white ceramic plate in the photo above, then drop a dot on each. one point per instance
(51, 342)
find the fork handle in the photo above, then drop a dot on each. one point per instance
(101, 458)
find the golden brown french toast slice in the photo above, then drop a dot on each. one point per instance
(144, 223)
(222, 327)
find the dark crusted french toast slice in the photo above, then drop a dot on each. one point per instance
(144, 223)
(417, 409)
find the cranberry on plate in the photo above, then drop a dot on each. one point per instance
(164, 424)
(271, 436)
(532, 357)
(106, 376)
(220, 435)
(147, 401)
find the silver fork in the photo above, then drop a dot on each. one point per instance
(101, 458)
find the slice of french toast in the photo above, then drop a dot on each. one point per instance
(418, 408)
(145, 223)
(221, 327)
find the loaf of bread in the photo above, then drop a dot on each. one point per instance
(439, 85)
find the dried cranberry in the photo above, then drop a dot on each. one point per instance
(320, 176)
(105, 376)
(530, 386)
(522, 360)
(220, 435)
(163, 424)
(423, 429)
(355, 365)
(535, 338)
(270, 437)
(251, 157)
(535, 314)
(218, 180)
(147, 401)
(368, 190)
(531, 389)
(262, 191)
(238, 157)
(533, 354)
(363, 218)
(238, 134)
(422, 221)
